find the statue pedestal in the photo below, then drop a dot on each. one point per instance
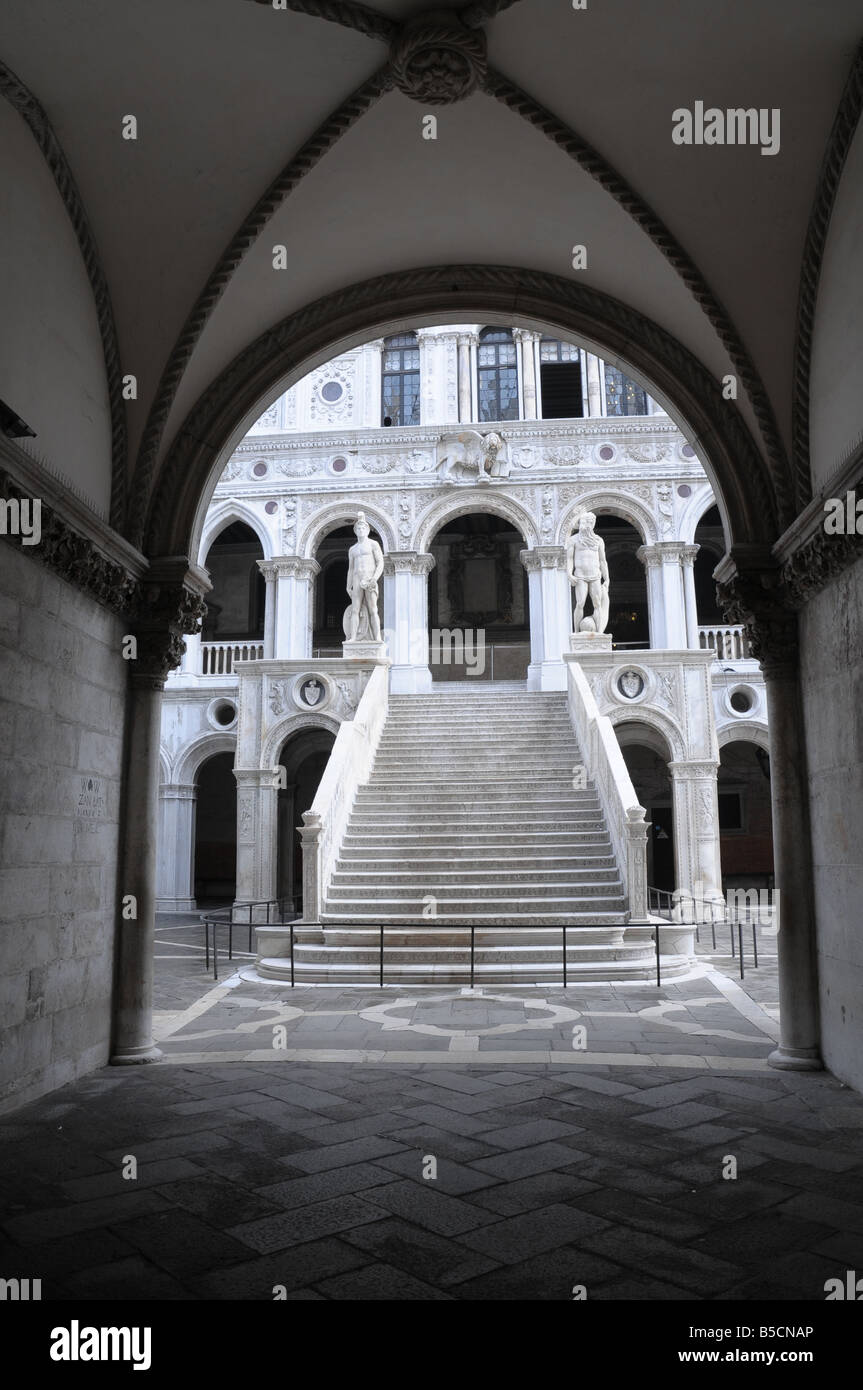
(364, 651)
(584, 643)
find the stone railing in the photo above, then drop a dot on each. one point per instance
(349, 766)
(219, 658)
(727, 640)
(604, 766)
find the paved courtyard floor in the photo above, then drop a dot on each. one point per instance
(438, 1143)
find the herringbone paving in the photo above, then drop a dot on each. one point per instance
(393, 1145)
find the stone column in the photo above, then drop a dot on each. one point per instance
(672, 594)
(550, 616)
(175, 861)
(257, 834)
(698, 868)
(651, 557)
(687, 561)
(594, 385)
(526, 340)
(269, 570)
(406, 575)
(294, 611)
(465, 394)
(172, 605)
(772, 632)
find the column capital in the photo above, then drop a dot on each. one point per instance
(466, 340)
(693, 771)
(757, 599)
(688, 553)
(171, 607)
(268, 568)
(650, 556)
(526, 335)
(408, 562)
(294, 567)
(543, 557)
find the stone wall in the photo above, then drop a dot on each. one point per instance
(61, 727)
(832, 674)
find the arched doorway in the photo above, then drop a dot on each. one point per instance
(215, 846)
(479, 609)
(304, 757)
(647, 757)
(331, 596)
(745, 815)
(628, 617)
(235, 604)
(710, 539)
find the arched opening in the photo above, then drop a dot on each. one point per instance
(647, 757)
(331, 595)
(235, 605)
(304, 757)
(710, 538)
(216, 831)
(479, 609)
(628, 617)
(745, 816)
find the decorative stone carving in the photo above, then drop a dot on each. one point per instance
(755, 599)
(279, 697)
(587, 569)
(312, 692)
(471, 456)
(365, 567)
(289, 525)
(647, 450)
(665, 495)
(436, 60)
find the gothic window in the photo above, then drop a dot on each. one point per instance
(400, 385)
(498, 375)
(560, 380)
(622, 396)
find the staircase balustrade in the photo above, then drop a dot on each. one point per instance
(605, 767)
(349, 766)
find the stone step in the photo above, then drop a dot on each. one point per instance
(470, 858)
(518, 879)
(443, 840)
(547, 915)
(488, 938)
(498, 899)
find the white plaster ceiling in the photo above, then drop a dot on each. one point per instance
(225, 92)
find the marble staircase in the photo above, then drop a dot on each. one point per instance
(470, 816)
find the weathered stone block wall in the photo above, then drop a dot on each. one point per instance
(61, 741)
(832, 645)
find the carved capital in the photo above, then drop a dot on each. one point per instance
(544, 557)
(269, 569)
(295, 567)
(408, 562)
(757, 599)
(171, 607)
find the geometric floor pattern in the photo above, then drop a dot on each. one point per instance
(435, 1144)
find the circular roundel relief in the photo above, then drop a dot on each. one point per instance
(742, 700)
(687, 451)
(311, 692)
(684, 490)
(630, 684)
(606, 452)
(222, 713)
(260, 470)
(339, 465)
(332, 391)
(271, 508)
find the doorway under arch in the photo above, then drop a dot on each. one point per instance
(478, 600)
(215, 844)
(745, 815)
(304, 757)
(647, 757)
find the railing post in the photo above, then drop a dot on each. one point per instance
(310, 835)
(381, 979)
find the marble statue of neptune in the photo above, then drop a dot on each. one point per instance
(587, 569)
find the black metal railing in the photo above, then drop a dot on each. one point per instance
(264, 912)
(687, 910)
(445, 925)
